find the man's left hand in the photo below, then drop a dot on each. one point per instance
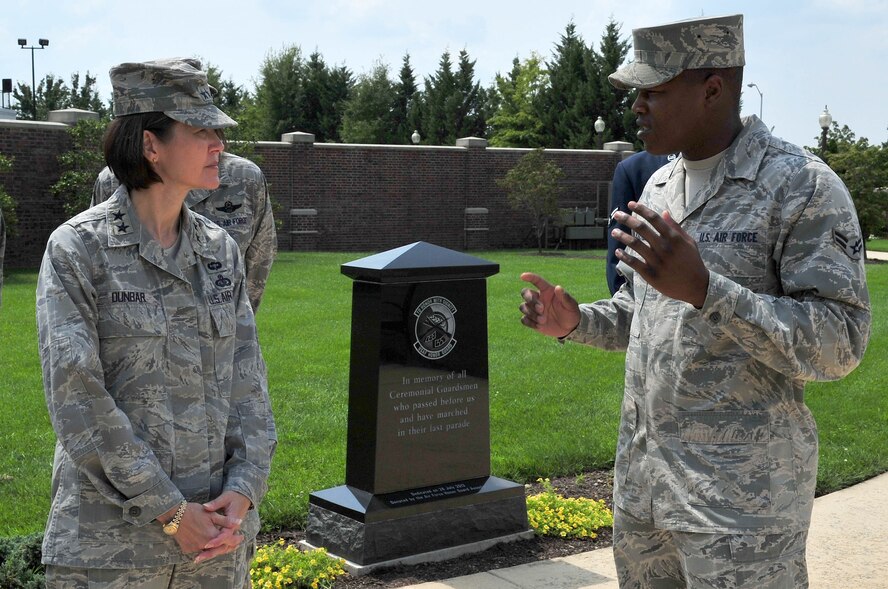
(669, 259)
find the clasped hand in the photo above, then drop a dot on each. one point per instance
(213, 528)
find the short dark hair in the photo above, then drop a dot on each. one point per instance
(123, 147)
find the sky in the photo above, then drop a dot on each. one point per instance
(802, 56)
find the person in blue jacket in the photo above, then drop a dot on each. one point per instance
(629, 179)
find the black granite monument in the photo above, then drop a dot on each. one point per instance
(417, 481)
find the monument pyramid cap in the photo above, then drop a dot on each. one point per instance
(419, 261)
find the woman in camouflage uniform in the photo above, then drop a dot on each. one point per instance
(150, 360)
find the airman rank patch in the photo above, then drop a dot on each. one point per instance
(852, 245)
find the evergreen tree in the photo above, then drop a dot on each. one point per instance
(454, 105)
(614, 103)
(405, 112)
(340, 84)
(568, 107)
(470, 100)
(437, 125)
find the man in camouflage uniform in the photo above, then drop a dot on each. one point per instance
(153, 381)
(240, 205)
(745, 281)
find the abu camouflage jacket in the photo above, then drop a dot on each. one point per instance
(152, 381)
(715, 436)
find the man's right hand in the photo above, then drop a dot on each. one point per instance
(549, 309)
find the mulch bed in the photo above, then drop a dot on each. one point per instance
(593, 485)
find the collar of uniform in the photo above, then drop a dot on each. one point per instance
(744, 157)
(124, 228)
(196, 229)
(121, 221)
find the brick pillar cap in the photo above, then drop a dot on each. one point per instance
(471, 142)
(618, 146)
(69, 116)
(298, 137)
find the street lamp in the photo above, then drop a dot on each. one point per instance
(825, 120)
(43, 44)
(415, 137)
(761, 97)
(599, 129)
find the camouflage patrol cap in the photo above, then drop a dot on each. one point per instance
(176, 87)
(664, 51)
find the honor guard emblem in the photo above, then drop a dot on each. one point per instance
(435, 328)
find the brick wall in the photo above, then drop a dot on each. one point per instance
(35, 147)
(336, 197)
(339, 197)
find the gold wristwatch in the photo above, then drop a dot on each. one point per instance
(171, 527)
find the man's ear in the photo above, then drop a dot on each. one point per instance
(715, 87)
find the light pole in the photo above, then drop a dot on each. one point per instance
(761, 97)
(825, 120)
(43, 44)
(599, 129)
(415, 137)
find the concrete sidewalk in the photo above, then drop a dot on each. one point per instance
(847, 547)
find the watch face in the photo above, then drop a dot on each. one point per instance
(171, 528)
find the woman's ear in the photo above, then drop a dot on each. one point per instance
(149, 146)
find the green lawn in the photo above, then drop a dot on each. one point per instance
(554, 409)
(877, 245)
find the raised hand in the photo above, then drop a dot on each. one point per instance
(669, 259)
(549, 309)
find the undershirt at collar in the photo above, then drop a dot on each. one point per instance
(697, 173)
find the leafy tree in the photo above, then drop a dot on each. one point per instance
(7, 202)
(298, 95)
(864, 170)
(53, 94)
(86, 97)
(514, 122)
(369, 113)
(280, 93)
(533, 186)
(236, 102)
(80, 166)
